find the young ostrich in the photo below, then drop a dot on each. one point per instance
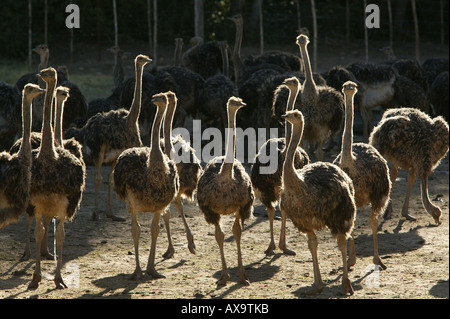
(57, 184)
(61, 96)
(15, 174)
(188, 172)
(106, 135)
(225, 188)
(322, 106)
(413, 141)
(147, 180)
(367, 169)
(267, 186)
(318, 195)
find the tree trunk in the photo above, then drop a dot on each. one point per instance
(99, 48)
(261, 27)
(314, 59)
(155, 33)
(416, 29)
(30, 34)
(441, 3)
(299, 21)
(347, 24)
(116, 30)
(366, 36)
(45, 22)
(391, 29)
(198, 9)
(149, 24)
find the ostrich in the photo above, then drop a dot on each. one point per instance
(9, 115)
(62, 93)
(322, 106)
(106, 135)
(438, 94)
(43, 52)
(216, 92)
(225, 188)
(413, 141)
(148, 181)
(178, 51)
(57, 184)
(203, 58)
(188, 173)
(267, 186)
(15, 174)
(368, 171)
(118, 72)
(317, 196)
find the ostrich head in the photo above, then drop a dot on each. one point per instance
(237, 18)
(62, 93)
(30, 91)
(349, 87)
(302, 40)
(48, 75)
(295, 117)
(142, 60)
(171, 97)
(235, 103)
(291, 83)
(41, 49)
(160, 99)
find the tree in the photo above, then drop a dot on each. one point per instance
(416, 29)
(199, 25)
(261, 28)
(313, 10)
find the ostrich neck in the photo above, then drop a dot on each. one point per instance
(225, 62)
(289, 107)
(58, 121)
(178, 50)
(25, 147)
(155, 151)
(237, 62)
(309, 91)
(118, 71)
(135, 109)
(47, 142)
(347, 135)
(189, 52)
(168, 146)
(227, 165)
(289, 172)
(42, 65)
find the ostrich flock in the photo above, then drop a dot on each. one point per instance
(49, 133)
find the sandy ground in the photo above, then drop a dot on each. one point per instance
(99, 256)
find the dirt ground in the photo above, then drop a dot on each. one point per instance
(99, 256)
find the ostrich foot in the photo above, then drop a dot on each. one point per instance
(26, 255)
(59, 282)
(408, 216)
(136, 275)
(346, 287)
(34, 284)
(191, 245)
(243, 277)
(169, 253)
(317, 288)
(270, 251)
(154, 274)
(95, 214)
(223, 278)
(377, 261)
(352, 261)
(114, 217)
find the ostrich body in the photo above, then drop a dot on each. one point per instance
(267, 187)
(322, 106)
(9, 115)
(15, 174)
(368, 171)
(148, 182)
(412, 141)
(188, 173)
(203, 58)
(438, 94)
(317, 196)
(225, 188)
(57, 184)
(106, 135)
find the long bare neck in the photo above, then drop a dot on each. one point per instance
(236, 57)
(289, 173)
(185, 58)
(178, 51)
(290, 106)
(168, 120)
(25, 147)
(58, 121)
(135, 109)
(225, 62)
(48, 142)
(309, 86)
(347, 136)
(228, 163)
(156, 153)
